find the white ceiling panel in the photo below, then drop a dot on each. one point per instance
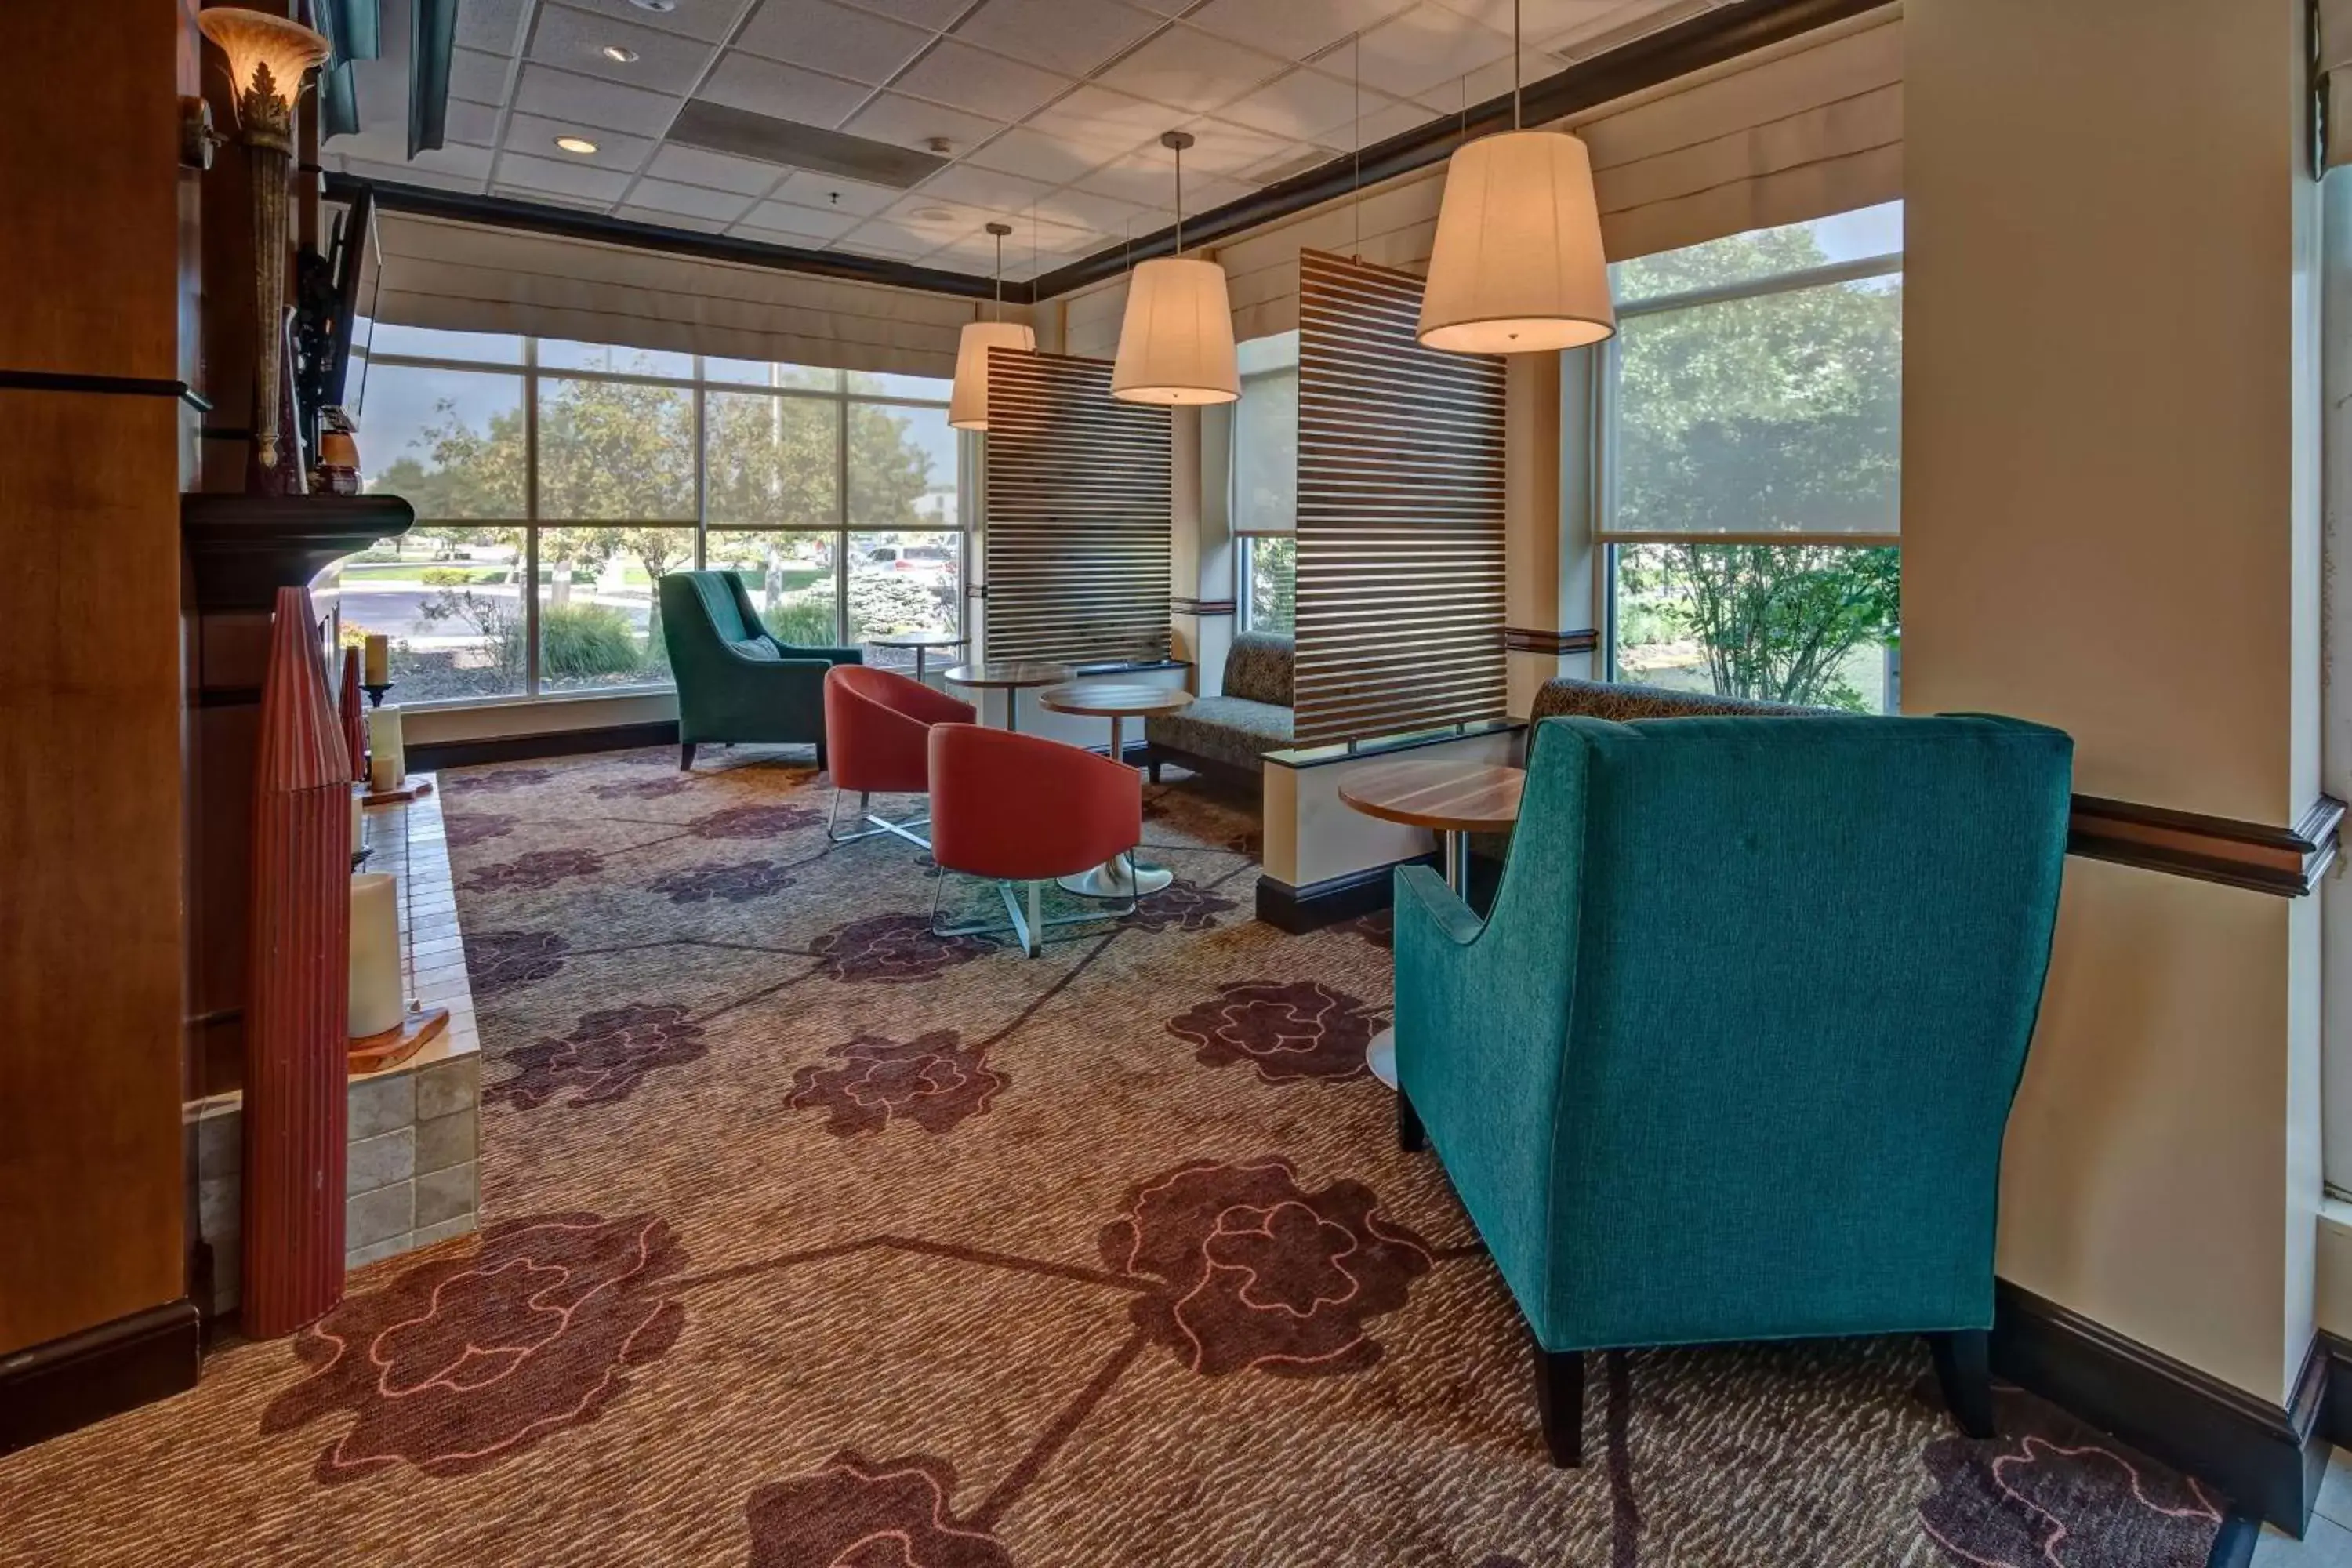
(1219, 148)
(934, 14)
(911, 122)
(787, 92)
(1190, 69)
(876, 237)
(1148, 179)
(710, 20)
(692, 201)
(1303, 105)
(474, 124)
(1096, 117)
(1294, 29)
(987, 84)
(1086, 209)
(581, 179)
(577, 41)
(834, 39)
(406, 173)
(1040, 155)
(534, 137)
(1540, 20)
(560, 95)
(491, 24)
(1072, 37)
(479, 77)
(1413, 52)
(805, 223)
(1493, 81)
(834, 194)
(714, 170)
(980, 187)
(661, 219)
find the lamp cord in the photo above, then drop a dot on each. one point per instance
(997, 312)
(1356, 186)
(1514, 65)
(1180, 200)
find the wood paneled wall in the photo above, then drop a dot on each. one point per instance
(1401, 483)
(1078, 514)
(100, 285)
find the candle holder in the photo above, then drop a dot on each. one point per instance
(375, 691)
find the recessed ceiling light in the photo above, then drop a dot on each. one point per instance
(620, 55)
(933, 215)
(579, 144)
(655, 5)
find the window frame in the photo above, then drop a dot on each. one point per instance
(700, 385)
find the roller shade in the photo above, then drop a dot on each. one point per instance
(1811, 127)
(467, 277)
(1265, 438)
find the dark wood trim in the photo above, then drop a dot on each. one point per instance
(2267, 1460)
(530, 218)
(243, 549)
(67, 1384)
(1320, 904)
(1520, 639)
(227, 696)
(1704, 40)
(2286, 861)
(1201, 606)
(434, 755)
(112, 386)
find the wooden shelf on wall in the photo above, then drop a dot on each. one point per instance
(242, 549)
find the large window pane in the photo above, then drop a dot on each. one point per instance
(449, 599)
(929, 389)
(903, 581)
(598, 621)
(773, 461)
(761, 372)
(792, 579)
(557, 355)
(902, 467)
(615, 451)
(450, 442)
(1271, 569)
(1761, 253)
(1814, 624)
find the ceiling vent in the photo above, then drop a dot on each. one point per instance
(715, 127)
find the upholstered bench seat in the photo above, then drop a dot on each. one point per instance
(1229, 733)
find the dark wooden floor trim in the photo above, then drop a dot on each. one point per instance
(1520, 639)
(2267, 1460)
(2286, 861)
(1320, 904)
(433, 756)
(69, 1383)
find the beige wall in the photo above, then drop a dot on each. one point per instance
(2110, 525)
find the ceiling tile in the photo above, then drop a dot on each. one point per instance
(1301, 157)
(576, 40)
(1221, 149)
(691, 201)
(583, 181)
(876, 237)
(967, 78)
(1302, 105)
(934, 14)
(1415, 51)
(986, 188)
(475, 125)
(1392, 117)
(560, 95)
(931, 214)
(1620, 25)
(1294, 28)
(407, 175)
(1491, 80)
(534, 137)
(1165, 7)
(478, 78)
(820, 36)
(1041, 155)
(1547, 18)
(1192, 70)
(389, 149)
(787, 92)
(552, 198)
(1148, 179)
(668, 220)
(910, 122)
(833, 194)
(803, 222)
(710, 20)
(1095, 115)
(716, 171)
(1069, 35)
(492, 25)
(1085, 209)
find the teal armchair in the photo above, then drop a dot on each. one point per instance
(735, 682)
(1732, 1056)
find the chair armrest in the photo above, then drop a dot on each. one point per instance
(1422, 895)
(826, 656)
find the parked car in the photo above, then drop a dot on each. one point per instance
(929, 565)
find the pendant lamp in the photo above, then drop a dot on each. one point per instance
(968, 404)
(1516, 266)
(1176, 342)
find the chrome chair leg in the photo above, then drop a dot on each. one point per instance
(880, 826)
(1027, 928)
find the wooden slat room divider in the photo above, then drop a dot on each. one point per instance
(1077, 514)
(1400, 513)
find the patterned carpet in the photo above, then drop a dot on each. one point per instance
(816, 1242)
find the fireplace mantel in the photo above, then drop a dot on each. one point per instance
(243, 549)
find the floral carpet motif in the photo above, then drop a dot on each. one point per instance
(813, 1240)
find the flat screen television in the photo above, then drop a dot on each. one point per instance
(336, 316)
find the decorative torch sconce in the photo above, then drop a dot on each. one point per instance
(268, 58)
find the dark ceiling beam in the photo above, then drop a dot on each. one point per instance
(1708, 40)
(500, 211)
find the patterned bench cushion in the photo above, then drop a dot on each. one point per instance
(1230, 729)
(1257, 669)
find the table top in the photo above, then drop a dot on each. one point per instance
(1114, 699)
(1452, 797)
(915, 639)
(1007, 672)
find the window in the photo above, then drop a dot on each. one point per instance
(1752, 466)
(1266, 482)
(587, 471)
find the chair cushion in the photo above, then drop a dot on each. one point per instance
(1257, 669)
(762, 649)
(1615, 700)
(1230, 730)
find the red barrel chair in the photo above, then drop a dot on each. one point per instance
(875, 729)
(1021, 808)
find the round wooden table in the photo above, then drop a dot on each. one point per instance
(921, 642)
(1117, 701)
(1010, 675)
(1452, 799)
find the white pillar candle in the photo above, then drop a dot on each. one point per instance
(375, 953)
(388, 765)
(359, 832)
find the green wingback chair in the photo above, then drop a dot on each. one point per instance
(735, 682)
(1732, 1055)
